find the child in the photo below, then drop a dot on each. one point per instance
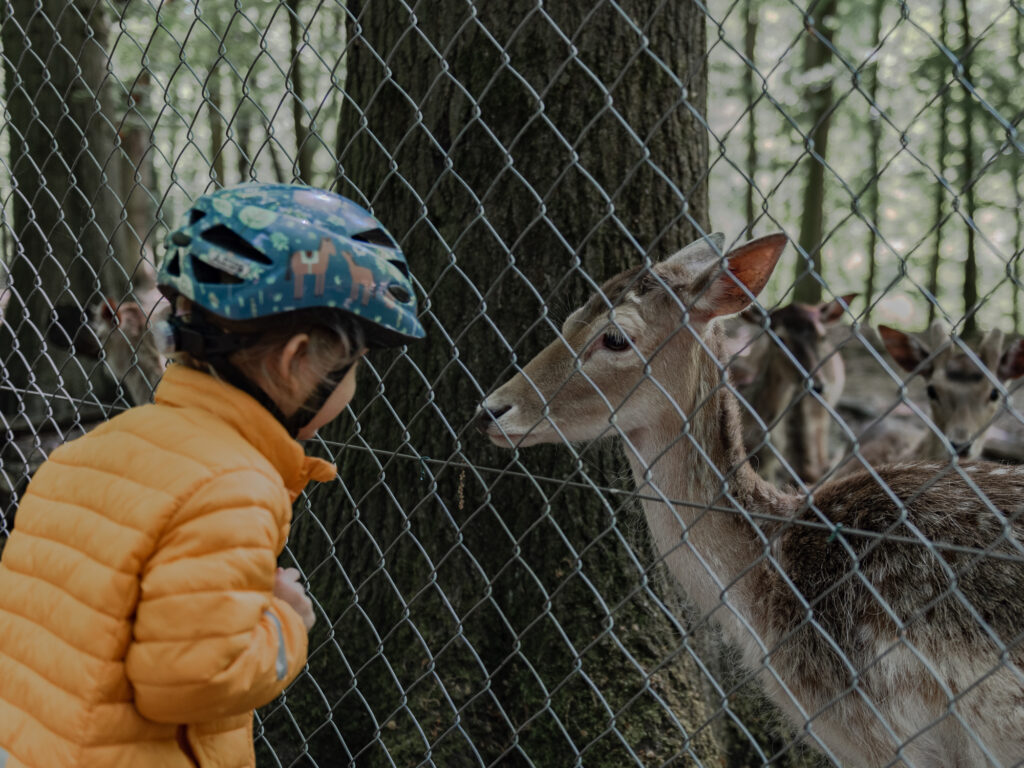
(141, 615)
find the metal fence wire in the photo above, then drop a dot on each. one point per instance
(589, 602)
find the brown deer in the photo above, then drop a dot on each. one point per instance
(779, 397)
(886, 621)
(964, 395)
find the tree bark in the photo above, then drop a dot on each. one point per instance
(68, 242)
(486, 607)
(818, 98)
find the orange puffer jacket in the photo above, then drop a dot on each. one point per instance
(137, 622)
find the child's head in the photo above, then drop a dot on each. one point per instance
(279, 289)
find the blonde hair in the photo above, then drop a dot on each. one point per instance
(335, 341)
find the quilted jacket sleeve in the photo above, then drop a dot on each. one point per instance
(210, 640)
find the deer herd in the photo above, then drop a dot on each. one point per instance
(882, 611)
(878, 595)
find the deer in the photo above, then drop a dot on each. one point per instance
(884, 616)
(964, 395)
(119, 334)
(800, 359)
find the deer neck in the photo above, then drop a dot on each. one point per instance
(707, 541)
(770, 391)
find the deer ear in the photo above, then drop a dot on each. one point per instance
(106, 310)
(905, 349)
(746, 269)
(131, 319)
(694, 259)
(990, 348)
(831, 311)
(1011, 366)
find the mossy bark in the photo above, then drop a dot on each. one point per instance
(483, 607)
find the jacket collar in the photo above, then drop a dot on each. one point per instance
(184, 387)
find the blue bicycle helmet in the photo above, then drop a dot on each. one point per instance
(259, 250)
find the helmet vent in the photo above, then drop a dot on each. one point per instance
(229, 240)
(207, 273)
(174, 265)
(195, 215)
(399, 294)
(376, 237)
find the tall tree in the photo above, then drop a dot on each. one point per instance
(485, 607)
(303, 164)
(941, 159)
(970, 292)
(68, 244)
(819, 104)
(138, 176)
(212, 93)
(872, 190)
(1017, 152)
(750, 96)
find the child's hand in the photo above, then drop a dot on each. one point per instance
(287, 588)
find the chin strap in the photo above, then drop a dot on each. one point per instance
(214, 346)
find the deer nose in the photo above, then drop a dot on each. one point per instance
(817, 387)
(962, 449)
(485, 415)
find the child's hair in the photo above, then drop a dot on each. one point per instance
(336, 340)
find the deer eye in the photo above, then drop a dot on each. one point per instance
(993, 395)
(615, 341)
(932, 393)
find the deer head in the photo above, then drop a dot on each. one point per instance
(118, 333)
(802, 330)
(964, 396)
(629, 351)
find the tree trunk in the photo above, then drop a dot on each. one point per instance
(139, 181)
(244, 120)
(750, 95)
(303, 165)
(940, 189)
(872, 190)
(486, 607)
(1018, 197)
(967, 178)
(68, 243)
(214, 109)
(818, 98)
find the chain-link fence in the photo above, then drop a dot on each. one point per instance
(481, 606)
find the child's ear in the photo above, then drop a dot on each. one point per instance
(292, 361)
(905, 349)
(731, 286)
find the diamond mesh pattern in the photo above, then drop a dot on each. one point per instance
(479, 606)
